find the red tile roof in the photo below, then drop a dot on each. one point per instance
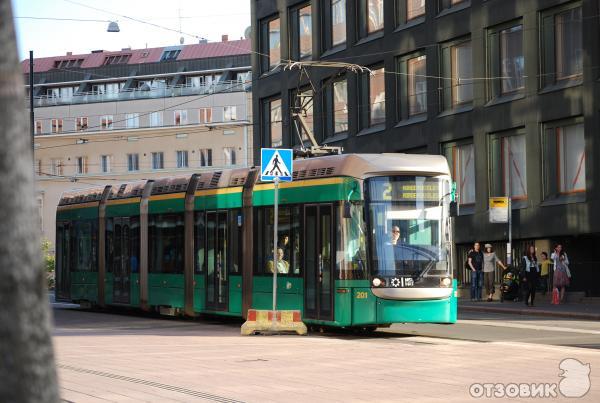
(150, 55)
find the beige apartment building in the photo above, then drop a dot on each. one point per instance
(108, 123)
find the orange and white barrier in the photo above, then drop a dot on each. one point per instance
(259, 321)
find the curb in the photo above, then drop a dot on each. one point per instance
(531, 311)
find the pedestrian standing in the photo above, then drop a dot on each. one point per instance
(475, 262)
(531, 273)
(490, 260)
(562, 274)
(545, 277)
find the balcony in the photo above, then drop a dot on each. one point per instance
(142, 93)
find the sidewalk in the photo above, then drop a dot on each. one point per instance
(543, 307)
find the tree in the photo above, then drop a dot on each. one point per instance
(27, 369)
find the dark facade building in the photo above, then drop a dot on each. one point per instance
(507, 90)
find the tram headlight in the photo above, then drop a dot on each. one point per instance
(377, 282)
(446, 282)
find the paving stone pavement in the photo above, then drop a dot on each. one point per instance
(121, 358)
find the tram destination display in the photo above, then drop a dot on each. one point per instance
(404, 189)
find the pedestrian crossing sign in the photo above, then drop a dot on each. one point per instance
(276, 163)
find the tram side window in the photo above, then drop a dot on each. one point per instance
(235, 244)
(110, 246)
(63, 249)
(288, 241)
(166, 243)
(353, 234)
(199, 239)
(85, 244)
(134, 244)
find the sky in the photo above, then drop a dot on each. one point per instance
(201, 18)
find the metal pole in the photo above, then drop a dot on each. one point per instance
(31, 115)
(509, 256)
(275, 222)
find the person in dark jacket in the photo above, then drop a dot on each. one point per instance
(475, 262)
(531, 274)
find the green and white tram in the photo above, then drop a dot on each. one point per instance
(364, 240)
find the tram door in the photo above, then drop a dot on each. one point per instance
(217, 277)
(319, 261)
(121, 260)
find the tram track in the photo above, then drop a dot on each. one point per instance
(163, 386)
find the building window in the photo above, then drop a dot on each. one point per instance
(229, 155)
(414, 9)
(116, 59)
(56, 167)
(133, 120)
(158, 160)
(133, 162)
(182, 159)
(334, 23)
(272, 119)
(461, 158)
(206, 157)
(303, 105)
(270, 44)
(106, 122)
(38, 127)
(564, 158)
(336, 104)
(57, 125)
(180, 117)
(562, 44)
(372, 96)
(195, 81)
(457, 63)
(205, 115)
(38, 167)
(445, 4)
(156, 119)
(229, 113)
(371, 16)
(506, 59)
(414, 96)
(170, 55)
(508, 167)
(301, 32)
(105, 163)
(81, 124)
(81, 165)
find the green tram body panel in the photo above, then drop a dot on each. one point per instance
(174, 205)
(218, 201)
(123, 210)
(74, 214)
(326, 190)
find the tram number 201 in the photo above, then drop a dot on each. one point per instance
(362, 295)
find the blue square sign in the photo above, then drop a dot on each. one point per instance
(276, 163)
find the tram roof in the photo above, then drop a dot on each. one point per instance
(367, 165)
(359, 166)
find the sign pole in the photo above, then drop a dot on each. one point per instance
(275, 223)
(509, 257)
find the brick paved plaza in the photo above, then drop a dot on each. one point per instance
(106, 357)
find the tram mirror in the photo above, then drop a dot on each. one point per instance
(347, 210)
(453, 209)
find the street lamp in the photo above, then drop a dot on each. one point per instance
(113, 26)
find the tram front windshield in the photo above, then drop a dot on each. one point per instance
(406, 226)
